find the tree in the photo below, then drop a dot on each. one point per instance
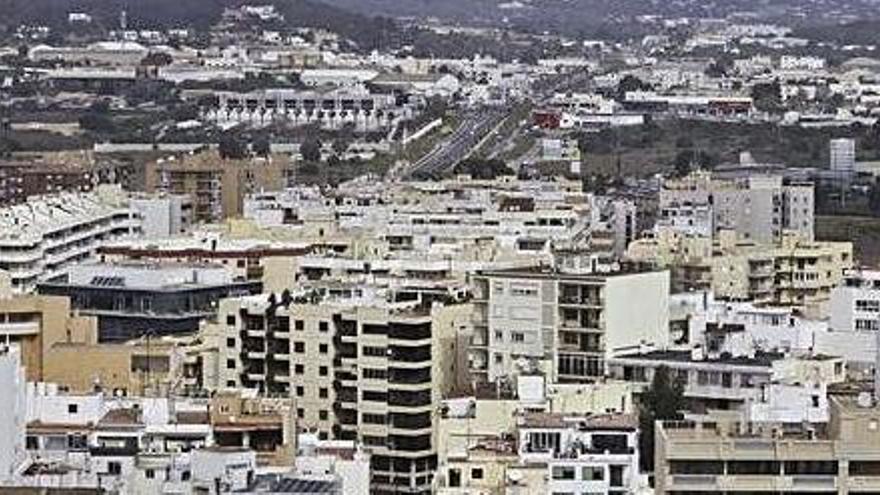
(664, 400)
(310, 149)
(157, 59)
(767, 97)
(231, 147)
(631, 83)
(874, 198)
(483, 169)
(261, 146)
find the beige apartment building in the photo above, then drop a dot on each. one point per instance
(359, 369)
(794, 272)
(36, 323)
(217, 185)
(840, 457)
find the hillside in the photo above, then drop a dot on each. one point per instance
(366, 30)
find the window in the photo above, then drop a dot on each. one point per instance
(300, 413)
(477, 473)
(230, 342)
(185, 476)
(300, 391)
(593, 473)
(373, 419)
(374, 374)
(230, 364)
(563, 473)
(299, 347)
(72, 409)
(230, 320)
(299, 325)
(518, 337)
(499, 335)
(322, 348)
(373, 351)
(323, 326)
(299, 369)
(322, 392)
(374, 441)
(31, 442)
(454, 477)
(323, 371)
(322, 414)
(114, 468)
(322, 435)
(150, 474)
(231, 383)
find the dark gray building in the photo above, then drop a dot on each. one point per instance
(131, 300)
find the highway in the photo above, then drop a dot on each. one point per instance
(474, 127)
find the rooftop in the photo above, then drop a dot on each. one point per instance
(761, 359)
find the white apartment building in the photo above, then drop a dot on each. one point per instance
(13, 413)
(843, 155)
(331, 109)
(591, 453)
(563, 322)
(855, 304)
(757, 208)
(40, 239)
(163, 215)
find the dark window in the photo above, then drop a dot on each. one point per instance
(299, 325)
(322, 415)
(230, 320)
(230, 342)
(477, 473)
(323, 326)
(230, 364)
(322, 348)
(72, 409)
(323, 371)
(114, 468)
(322, 393)
(300, 413)
(300, 391)
(299, 347)
(299, 369)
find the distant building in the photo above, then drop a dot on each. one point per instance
(758, 208)
(216, 185)
(843, 155)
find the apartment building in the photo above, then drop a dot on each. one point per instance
(55, 173)
(717, 456)
(358, 369)
(135, 299)
(13, 412)
(217, 186)
(33, 324)
(795, 271)
(44, 237)
(726, 381)
(246, 258)
(758, 208)
(855, 303)
(570, 320)
(328, 108)
(117, 444)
